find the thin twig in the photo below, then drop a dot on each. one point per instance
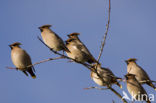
(105, 35)
(113, 90)
(95, 88)
(11, 68)
(103, 43)
(38, 62)
(45, 61)
(145, 81)
(153, 81)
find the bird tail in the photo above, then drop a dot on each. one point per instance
(117, 83)
(148, 101)
(31, 73)
(152, 85)
(25, 73)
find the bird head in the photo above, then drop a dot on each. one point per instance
(129, 76)
(47, 26)
(130, 60)
(16, 44)
(73, 35)
(69, 40)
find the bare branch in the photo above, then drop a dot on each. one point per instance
(115, 92)
(105, 35)
(39, 62)
(11, 68)
(95, 88)
(45, 61)
(145, 81)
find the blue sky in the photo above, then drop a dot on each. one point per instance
(131, 34)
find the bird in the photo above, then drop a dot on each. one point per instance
(76, 47)
(135, 88)
(51, 39)
(108, 77)
(141, 75)
(21, 59)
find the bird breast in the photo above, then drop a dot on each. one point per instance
(76, 53)
(96, 79)
(18, 58)
(51, 40)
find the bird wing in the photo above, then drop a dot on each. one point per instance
(145, 75)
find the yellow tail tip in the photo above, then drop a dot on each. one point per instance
(155, 89)
(121, 86)
(33, 77)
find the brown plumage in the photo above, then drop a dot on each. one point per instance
(21, 59)
(135, 88)
(141, 75)
(107, 75)
(75, 42)
(51, 39)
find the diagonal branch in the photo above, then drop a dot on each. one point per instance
(64, 56)
(105, 35)
(115, 92)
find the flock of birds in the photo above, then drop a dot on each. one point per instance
(75, 49)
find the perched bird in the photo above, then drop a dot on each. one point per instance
(83, 47)
(135, 88)
(21, 59)
(75, 36)
(51, 39)
(78, 50)
(141, 75)
(107, 75)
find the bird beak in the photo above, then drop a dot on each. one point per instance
(68, 36)
(10, 46)
(39, 27)
(126, 61)
(126, 77)
(66, 42)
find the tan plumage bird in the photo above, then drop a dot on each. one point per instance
(107, 75)
(51, 39)
(78, 50)
(141, 75)
(21, 59)
(83, 47)
(135, 88)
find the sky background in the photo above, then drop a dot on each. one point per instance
(132, 33)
